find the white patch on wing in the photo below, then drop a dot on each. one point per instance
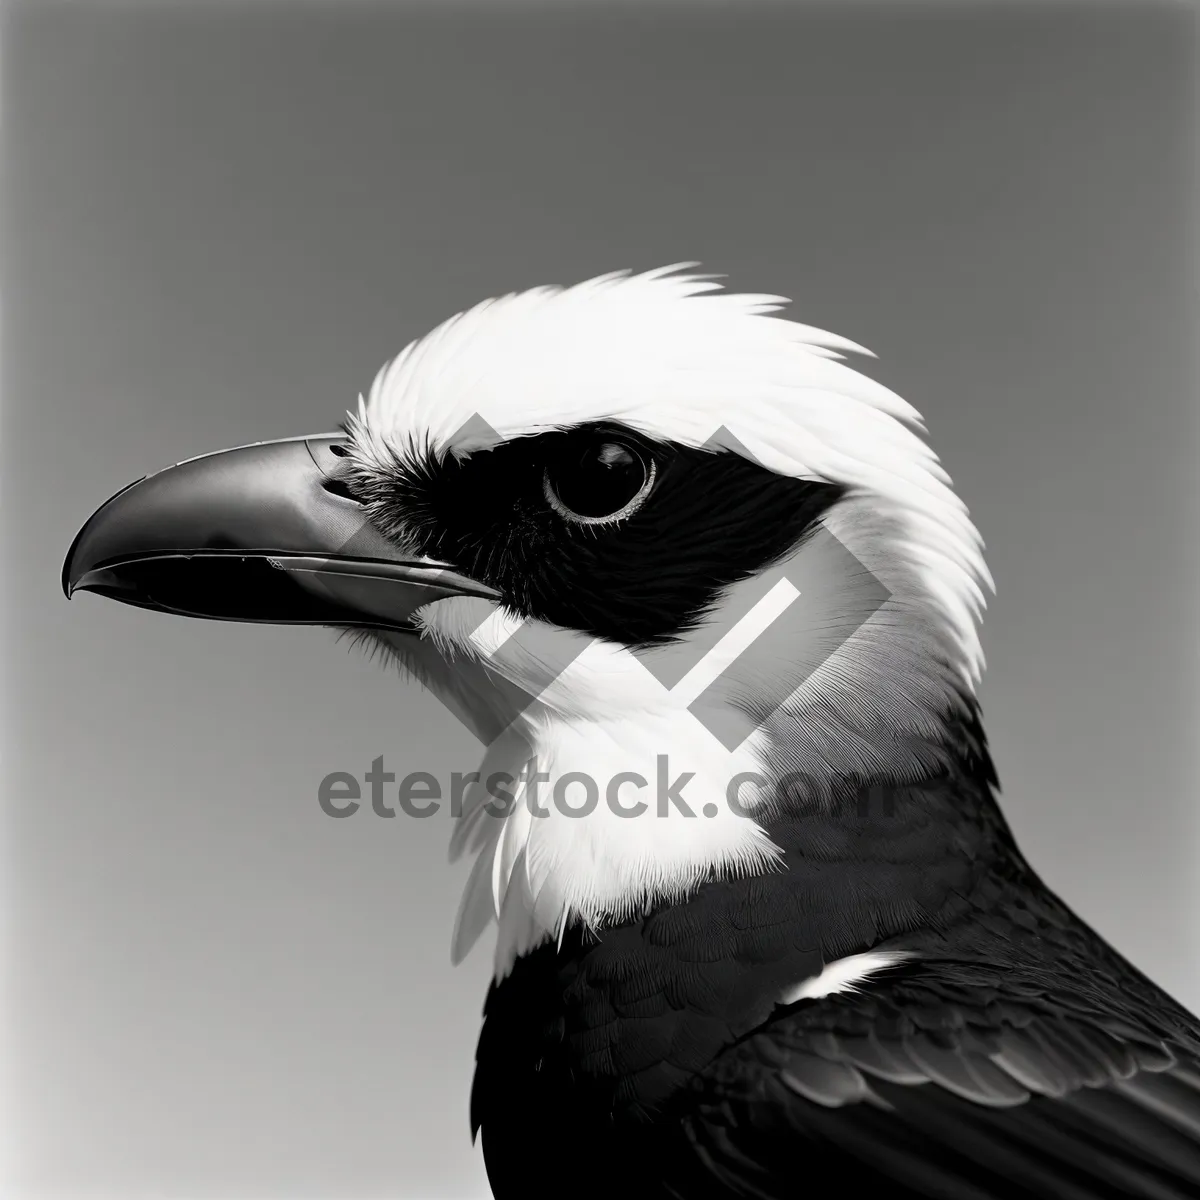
(843, 975)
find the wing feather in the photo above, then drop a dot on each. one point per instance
(937, 1097)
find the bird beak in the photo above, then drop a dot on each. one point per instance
(262, 533)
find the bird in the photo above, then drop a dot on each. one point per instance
(645, 526)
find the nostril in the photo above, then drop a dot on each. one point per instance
(337, 487)
(340, 451)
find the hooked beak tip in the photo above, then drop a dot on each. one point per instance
(255, 534)
(75, 575)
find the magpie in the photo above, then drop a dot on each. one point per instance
(644, 527)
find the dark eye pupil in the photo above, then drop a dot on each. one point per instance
(600, 480)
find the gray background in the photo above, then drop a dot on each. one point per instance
(219, 223)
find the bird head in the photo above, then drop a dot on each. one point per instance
(635, 528)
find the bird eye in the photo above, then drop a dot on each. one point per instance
(604, 482)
